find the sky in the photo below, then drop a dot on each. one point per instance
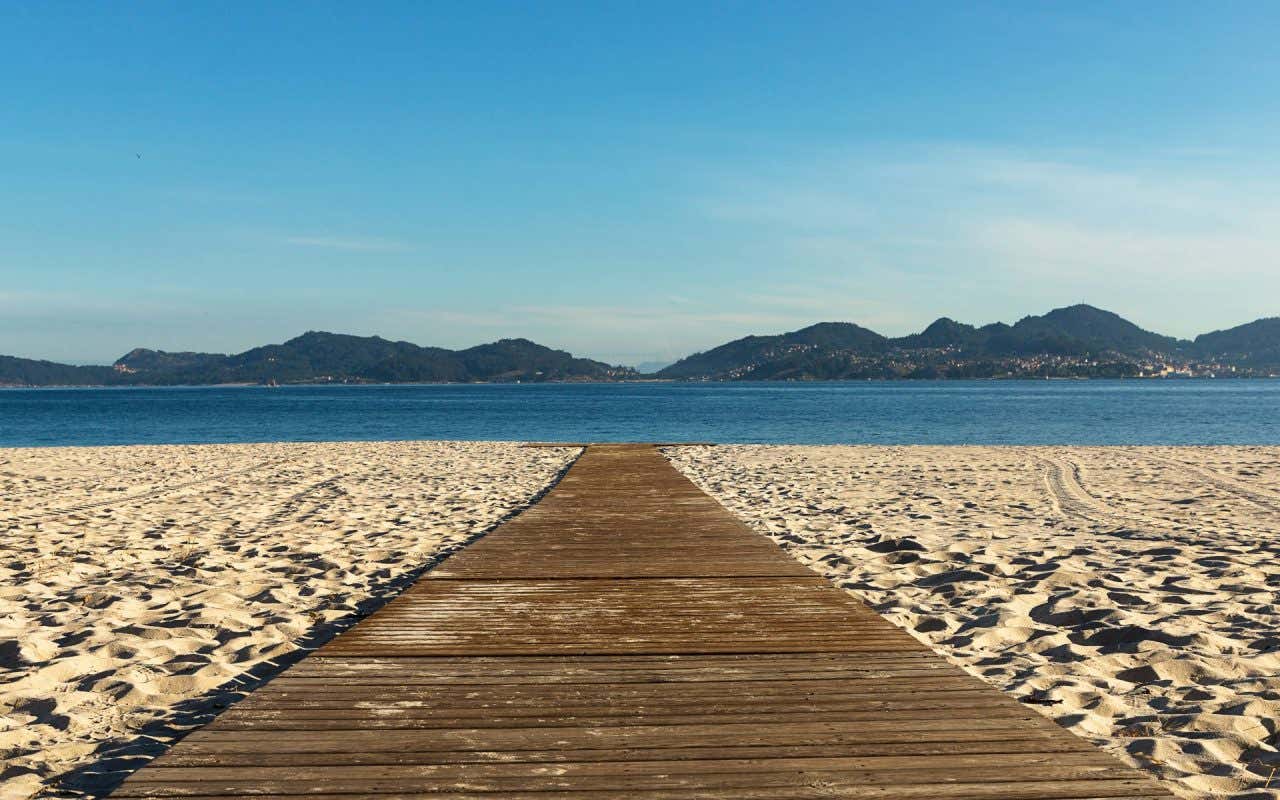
(628, 181)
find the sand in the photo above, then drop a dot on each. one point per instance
(1127, 593)
(142, 589)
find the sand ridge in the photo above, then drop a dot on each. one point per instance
(144, 588)
(1128, 593)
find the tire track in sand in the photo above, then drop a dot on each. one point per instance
(1067, 492)
(320, 495)
(144, 495)
(1259, 497)
(36, 495)
(1071, 498)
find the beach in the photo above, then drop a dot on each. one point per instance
(1128, 593)
(143, 589)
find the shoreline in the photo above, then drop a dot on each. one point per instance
(678, 381)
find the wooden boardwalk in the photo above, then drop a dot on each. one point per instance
(628, 638)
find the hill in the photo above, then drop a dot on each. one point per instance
(1074, 341)
(1255, 344)
(944, 332)
(30, 372)
(319, 357)
(773, 357)
(1081, 330)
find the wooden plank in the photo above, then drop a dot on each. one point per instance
(722, 733)
(663, 695)
(504, 776)
(266, 721)
(277, 780)
(559, 745)
(627, 637)
(169, 772)
(1005, 790)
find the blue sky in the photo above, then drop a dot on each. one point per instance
(630, 181)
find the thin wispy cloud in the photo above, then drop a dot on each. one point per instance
(1047, 246)
(353, 244)
(22, 305)
(811, 208)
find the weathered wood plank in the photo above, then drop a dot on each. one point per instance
(336, 752)
(1008, 790)
(883, 739)
(341, 780)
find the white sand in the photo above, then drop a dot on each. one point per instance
(138, 583)
(1128, 593)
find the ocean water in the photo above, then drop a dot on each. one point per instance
(943, 412)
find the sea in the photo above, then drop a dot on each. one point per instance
(1093, 412)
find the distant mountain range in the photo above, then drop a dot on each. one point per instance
(317, 357)
(1074, 342)
(1077, 341)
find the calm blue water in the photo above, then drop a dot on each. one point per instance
(954, 412)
